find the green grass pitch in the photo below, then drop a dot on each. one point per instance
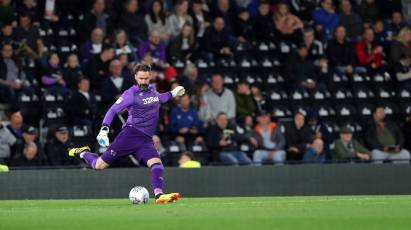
(251, 213)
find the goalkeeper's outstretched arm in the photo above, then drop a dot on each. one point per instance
(122, 102)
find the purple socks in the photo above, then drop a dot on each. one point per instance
(90, 159)
(157, 178)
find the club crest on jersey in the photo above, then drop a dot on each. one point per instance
(149, 100)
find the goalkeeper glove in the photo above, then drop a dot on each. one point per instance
(178, 91)
(102, 137)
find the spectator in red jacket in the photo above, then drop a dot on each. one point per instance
(369, 53)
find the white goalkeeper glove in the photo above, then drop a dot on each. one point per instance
(102, 137)
(178, 91)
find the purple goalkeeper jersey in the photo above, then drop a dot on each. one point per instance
(142, 106)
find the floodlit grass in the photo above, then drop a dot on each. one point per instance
(252, 213)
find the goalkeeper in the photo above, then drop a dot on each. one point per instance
(142, 102)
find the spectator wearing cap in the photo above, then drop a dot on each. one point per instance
(28, 152)
(97, 69)
(155, 47)
(244, 101)
(216, 41)
(56, 148)
(133, 22)
(187, 160)
(220, 99)
(315, 153)
(385, 139)
(269, 141)
(82, 104)
(298, 137)
(180, 17)
(348, 149)
(93, 46)
(325, 18)
(7, 141)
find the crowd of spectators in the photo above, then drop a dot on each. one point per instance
(84, 52)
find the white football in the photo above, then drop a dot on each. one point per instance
(139, 195)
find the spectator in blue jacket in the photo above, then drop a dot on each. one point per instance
(316, 153)
(325, 18)
(184, 123)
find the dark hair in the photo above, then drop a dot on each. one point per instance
(161, 15)
(221, 114)
(308, 29)
(141, 67)
(25, 15)
(198, 2)
(264, 2)
(188, 154)
(377, 107)
(81, 78)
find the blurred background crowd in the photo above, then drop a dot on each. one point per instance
(267, 81)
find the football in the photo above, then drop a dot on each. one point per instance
(139, 195)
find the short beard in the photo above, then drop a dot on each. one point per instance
(143, 87)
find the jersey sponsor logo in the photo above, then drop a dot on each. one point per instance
(149, 100)
(119, 100)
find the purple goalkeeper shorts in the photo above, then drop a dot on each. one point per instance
(131, 141)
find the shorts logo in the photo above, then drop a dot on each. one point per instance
(149, 100)
(113, 153)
